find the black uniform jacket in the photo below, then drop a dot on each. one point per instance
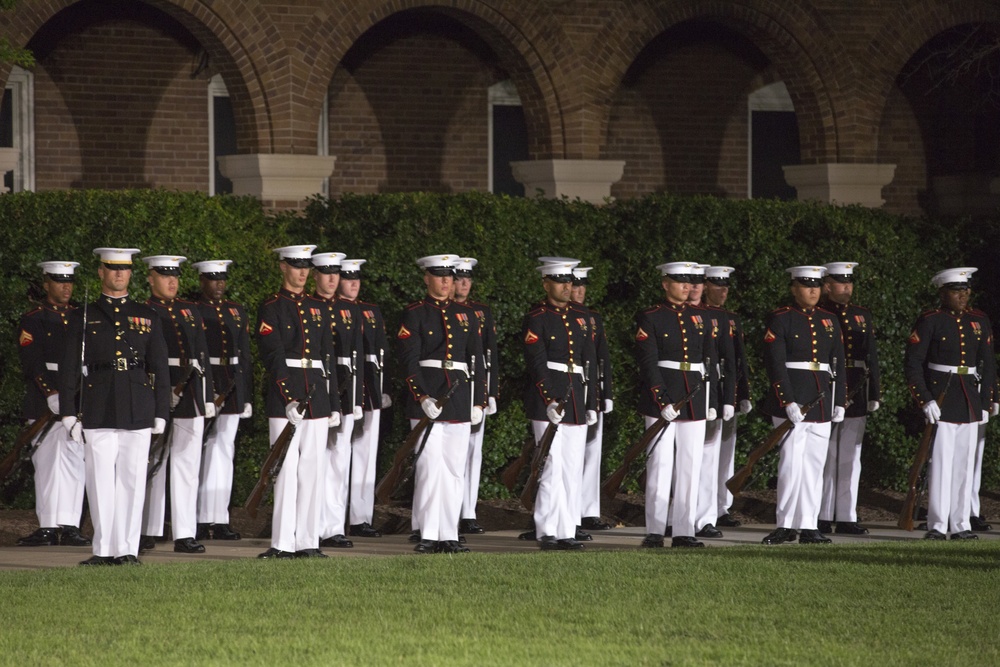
(227, 333)
(184, 333)
(41, 344)
(724, 366)
(560, 336)
(490, 351)
(297, 327)
(947, 338)
(375, 359)
(812, 336)
(858, 327)
(348, 344)
(682, 334)
(128, 381)
(730, 326)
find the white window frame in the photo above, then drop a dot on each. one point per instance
(323, 138)
(772, 97)
(21, 83)
(502, 93)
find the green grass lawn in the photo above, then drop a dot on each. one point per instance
(884, 604)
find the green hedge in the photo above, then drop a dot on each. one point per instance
(624, 241)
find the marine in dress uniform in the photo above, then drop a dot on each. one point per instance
(674, 350)
(439, 344)
(58, 459)
(803, 355)
(227, 334)
(345, 323)
(184, 332)
(957, 342)
(123, 398)
(364, 449)
(295, 341)
(843, 461)
(717, 286)
(470, 486)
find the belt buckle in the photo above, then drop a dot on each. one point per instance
(121, 364)
(815, 366)
(306, 363)
(447, 364)
(962, 370)
(684, 366)
(223, 361)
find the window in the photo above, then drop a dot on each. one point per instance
(221, 134)
(774, 142)
(508, 137)
(17, 128)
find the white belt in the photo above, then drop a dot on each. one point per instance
(957, 370)
(371, 358)
(344, 361)
(49, 366)
(223, 361)
(173, 361)
(565, 368)
(446, 364)
(304, 363)
(807, 366)
(856, 363)
(682, 365)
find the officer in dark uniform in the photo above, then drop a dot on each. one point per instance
(123, 398)
(227, 333)
(58, 459)
(184, 332)
(295, 342)
(957, 342)
(803, 355)
(843, 461)
(439, 344)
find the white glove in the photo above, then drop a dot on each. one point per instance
(994, 409)
(247, 411)
(195, 364)
(491, 406)
(53, 401)
(745, 407)
(74, 428)
(986, 416)
(669, 413)
(209, 409)
(873, 406)
(293, 414)
(159, 425)
(728, 412)
(609, 405)
(591, 417)
(334, 420)
(430, 408)
(553, 413)
(711, 415)
(794, 413)
(174, 399)
(838, 414)
(357, 412)
(932, 412)
(477, 415)
(386, 401)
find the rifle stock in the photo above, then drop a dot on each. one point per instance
(512, 472)
(28, 434)
(219, 401)
(905, 520)
(159, 443)
(538, 455)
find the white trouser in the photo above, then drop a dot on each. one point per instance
(337, 470)
(949, 487)
(473, 467)
(364, 454)
(185, 465)
(977, 470)
(590, 488)
(216, 488)
(727, 467)
(60, 477)
(686, 439)
(557, 507)
(437, 479)
(708, 484)
(116, 486)
(800, 474)
(842, 471)
(298, 491)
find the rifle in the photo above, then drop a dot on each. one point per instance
(160, 443)
(541, 452)
(392, 479)
(37, 430)
(613, 483)
(736, 483)
(512, 472)
(919, 459)
(219, 401)
(272, 464)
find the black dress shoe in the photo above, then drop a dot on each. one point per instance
(364, 530)
(461, 539)
(203, 532)
(548, 543)
(223, 531)
(337, 541)
(850, 528)
(188, 545)
(146, 543)
(979, 525)
(685, 541)
(652, 541)
(727, 521)
(780, 536)
(127, 560)
(934, 535)
(528, 536)
(71, 537)
(594, 523)
(100, 560)
(310, 553)
(825, 527)
(709, 531)
(276, 554)
(43, 537)
(426, 547)
(583, 536)
(964, 535)
(470, 527)
(452, 547)
(813, 537)
(569, 544)
(922, 526)
(414, 536)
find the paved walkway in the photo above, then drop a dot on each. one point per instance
(503, 541)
